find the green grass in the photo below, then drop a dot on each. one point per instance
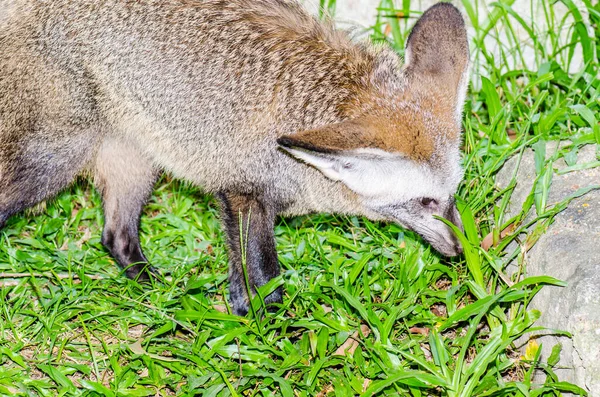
(369, 309)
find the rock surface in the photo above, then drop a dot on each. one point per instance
(569, 251)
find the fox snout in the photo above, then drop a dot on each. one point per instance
(419, 215)
(451, 246)
(438, 234)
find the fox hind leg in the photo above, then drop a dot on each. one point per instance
(124, 177)
(36, 165)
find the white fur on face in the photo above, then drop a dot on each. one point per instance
(382, 178)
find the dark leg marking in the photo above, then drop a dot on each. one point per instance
(261, 257)
(125, 178)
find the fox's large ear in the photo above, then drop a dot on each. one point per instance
(437, 53)
(330, 149)
(344, 152)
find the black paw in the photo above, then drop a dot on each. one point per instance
(241, 307)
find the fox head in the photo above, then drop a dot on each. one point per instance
(399, 148)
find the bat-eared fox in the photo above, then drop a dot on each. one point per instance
(256, 101)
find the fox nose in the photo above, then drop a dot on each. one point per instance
(459, 249)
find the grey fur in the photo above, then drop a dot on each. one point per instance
(203, 90)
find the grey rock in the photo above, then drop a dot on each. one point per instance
(569, 251)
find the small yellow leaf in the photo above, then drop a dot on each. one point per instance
(531, 349)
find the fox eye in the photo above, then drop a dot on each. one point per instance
(428, 202)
